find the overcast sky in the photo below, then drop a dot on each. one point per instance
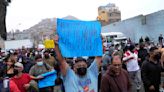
(22, 14)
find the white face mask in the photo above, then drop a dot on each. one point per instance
(40, 63)
(119, 48)
(36, 53)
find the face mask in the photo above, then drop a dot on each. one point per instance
(157, 56)
(107, 52)
(141, 47)
(16, 72)
(81, 71)
(46, 56)
(119, 48)
(36, 53)
(40, 63)
(137, 48)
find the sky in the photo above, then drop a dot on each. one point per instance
(23, 14)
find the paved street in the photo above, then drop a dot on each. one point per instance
(134, 90)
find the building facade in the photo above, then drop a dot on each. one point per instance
(151, 25)
(108, 14)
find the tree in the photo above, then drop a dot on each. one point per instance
(3, 11)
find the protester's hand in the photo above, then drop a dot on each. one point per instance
(39, 77)
(151, 88)
(26, 86)
(139, 59)
(56, 38)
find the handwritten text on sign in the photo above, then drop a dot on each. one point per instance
(79, 38)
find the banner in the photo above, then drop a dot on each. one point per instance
(79, 38)
(49, 44)
(48, 80)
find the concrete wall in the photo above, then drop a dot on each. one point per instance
(149, 25)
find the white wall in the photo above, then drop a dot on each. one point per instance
(17, 44)
(134, 28)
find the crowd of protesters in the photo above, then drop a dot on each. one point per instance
(121, 67)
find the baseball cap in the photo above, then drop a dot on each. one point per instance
(18, 64)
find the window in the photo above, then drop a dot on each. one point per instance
(110, 14)
(103, 12)
(118, 19)
(143, 20)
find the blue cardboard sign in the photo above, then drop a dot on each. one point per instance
(79, 38)
(48, 80)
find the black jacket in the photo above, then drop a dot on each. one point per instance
(151, 74)
(142, 54)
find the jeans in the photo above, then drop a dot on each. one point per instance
(136, 77)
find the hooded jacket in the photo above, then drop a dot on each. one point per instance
(112, 83)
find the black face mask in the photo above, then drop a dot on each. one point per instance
(81, 71)
(157, 56)
(46, 56)
(141, 48)
(16, 72)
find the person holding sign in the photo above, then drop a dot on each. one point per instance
(22, 80)
(82, 79)
(40, 68)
